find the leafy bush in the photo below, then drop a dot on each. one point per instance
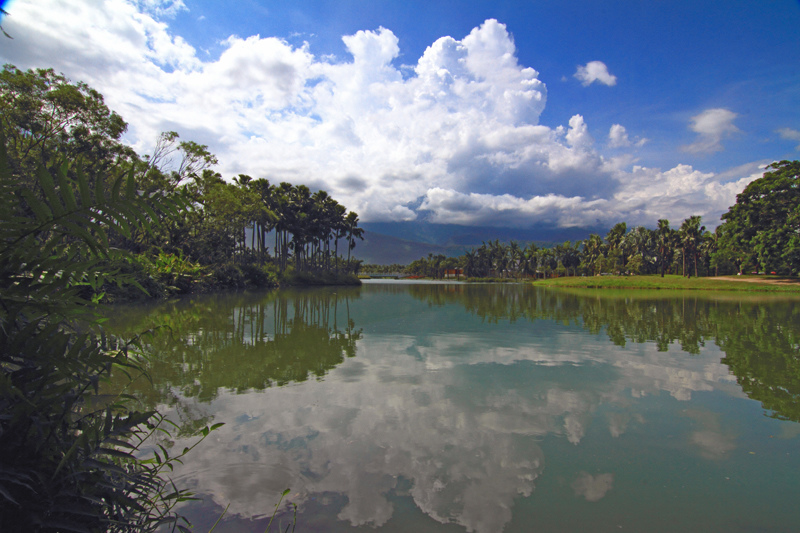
(244, 275)
(68, 454)
(175, 272)
(261, 276)
(303, 277)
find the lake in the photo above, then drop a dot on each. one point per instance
(400, 406)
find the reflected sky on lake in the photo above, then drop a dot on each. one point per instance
(463, 416)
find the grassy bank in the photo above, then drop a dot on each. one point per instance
(726, 283)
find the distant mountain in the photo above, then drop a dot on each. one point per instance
(402, 242)
(380, 249)
(454, 235)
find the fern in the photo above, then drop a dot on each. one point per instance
(67, 458)
(57, 242)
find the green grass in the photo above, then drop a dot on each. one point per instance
(750, 283)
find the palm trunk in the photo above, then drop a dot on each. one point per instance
(683, 258)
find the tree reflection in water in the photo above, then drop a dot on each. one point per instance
(453, 410)
(241, 342)
(759, 334)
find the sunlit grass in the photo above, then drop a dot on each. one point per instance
(728, 283)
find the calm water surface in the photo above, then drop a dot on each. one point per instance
(487, 408)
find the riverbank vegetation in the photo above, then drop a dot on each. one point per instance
(71, 456)
(84, 219)
(241, 232)
(676, 282)
(760, 234)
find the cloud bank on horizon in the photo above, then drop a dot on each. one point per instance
(453, 138)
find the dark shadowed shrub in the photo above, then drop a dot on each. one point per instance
(69, 455)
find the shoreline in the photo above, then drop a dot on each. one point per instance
(745, 283)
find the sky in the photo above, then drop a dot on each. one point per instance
(571, 113)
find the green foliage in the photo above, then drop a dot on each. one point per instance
(56, 244)
(243, 275)
(68, 453)
(641, 251)
(43, 114)
(175, 272)
(635, 264)
(367, 269)
(293, 277)
(763, 228)
(690, 237)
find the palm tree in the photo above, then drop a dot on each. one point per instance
(353, 232)
(593, 251)
(530, 261)
(708, 247)
(639, 241)
(469, 263)
(691, 234)
(664, 240)
(515, 257)
(570, 257)
(615, 239)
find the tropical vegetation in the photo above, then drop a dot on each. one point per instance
(759, 233)
(241, 232)
(69, 456)
(84, 218)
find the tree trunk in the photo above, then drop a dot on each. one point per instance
(683, 258)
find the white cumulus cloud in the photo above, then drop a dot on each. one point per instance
(595, 71)
(456, 136)
(618, 138)
(712, 125)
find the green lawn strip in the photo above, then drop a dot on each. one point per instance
(750, 283)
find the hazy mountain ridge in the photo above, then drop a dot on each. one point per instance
(402, 242)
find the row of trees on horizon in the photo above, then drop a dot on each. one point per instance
(759, 233)
(687, 250)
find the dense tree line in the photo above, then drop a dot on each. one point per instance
(759, 233)
(235, 232)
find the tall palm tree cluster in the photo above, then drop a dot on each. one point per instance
(251, 220)
(688, 250)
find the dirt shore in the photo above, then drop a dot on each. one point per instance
(772, 280)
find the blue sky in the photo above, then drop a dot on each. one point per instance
(490, 113)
